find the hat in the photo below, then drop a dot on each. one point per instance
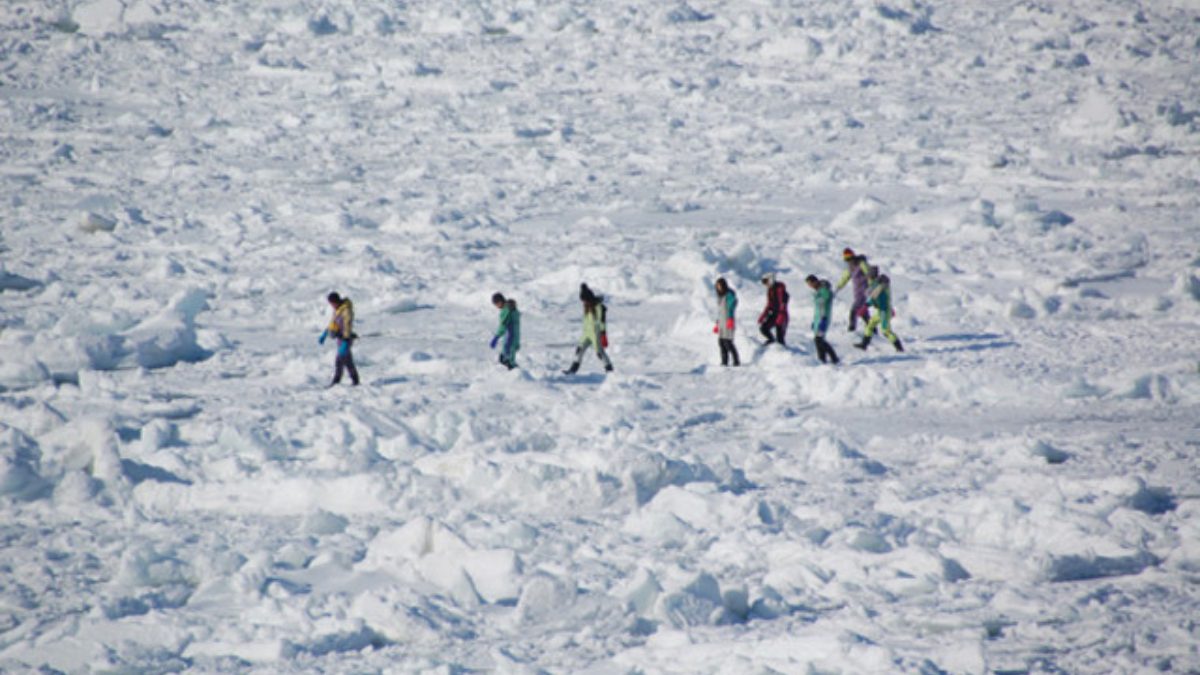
(497, 298)
(586, 294)
(847, 253)
(334, 297)
(811, 279)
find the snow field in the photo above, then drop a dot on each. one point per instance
(183, 183)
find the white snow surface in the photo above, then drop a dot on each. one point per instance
(183, 181)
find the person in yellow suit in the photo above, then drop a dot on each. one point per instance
(879, 296)
(595, 330)
(341, 327)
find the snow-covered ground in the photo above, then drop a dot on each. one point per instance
(183, 181)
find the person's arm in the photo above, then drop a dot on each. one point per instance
(844, 280)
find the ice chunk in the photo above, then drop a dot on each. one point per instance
(169, 337)
(100, 17)
(19, 464)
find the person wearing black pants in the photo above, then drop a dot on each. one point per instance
(774, 317)
(822, 301)
(726, 309)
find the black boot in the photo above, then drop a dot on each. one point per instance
(864, 343)
(573, 369)
(608, 368)
(899, 347)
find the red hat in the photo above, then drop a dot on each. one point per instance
(847, 253)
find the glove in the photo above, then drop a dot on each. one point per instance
(729, 324)
(495, 339)
(343, 348)
(604, 340)
(321, 340)
(716, 329)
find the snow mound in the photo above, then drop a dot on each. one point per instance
(169, 337)
(19, 465)
(440, 557)
(867, 210)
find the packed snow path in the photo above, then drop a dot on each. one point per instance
(183, 183)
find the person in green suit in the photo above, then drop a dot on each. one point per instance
(822, 305)
(509, 329)
(879, 296)
(595, 330)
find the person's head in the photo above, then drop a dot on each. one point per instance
(721, 286)
(334, 299)
(498, 300)
(768, 279)
(586, 296)
(873, 271)
(848, 254)
(812, 281)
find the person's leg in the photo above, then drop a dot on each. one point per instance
(886, 325)
(733, 352)
(825, 350)
(604, 357)
(868, 331)
(579, 351)
(509, 356)
(722, 343)
(338, 366)
(350, 366)
(781, 333)
(765, 329)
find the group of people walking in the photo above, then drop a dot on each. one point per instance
(872, 290)
(595, 330)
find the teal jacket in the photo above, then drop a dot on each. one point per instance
(880, 294)
(822, 304)
(510, 325)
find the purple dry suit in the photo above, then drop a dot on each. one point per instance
(856, 270)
